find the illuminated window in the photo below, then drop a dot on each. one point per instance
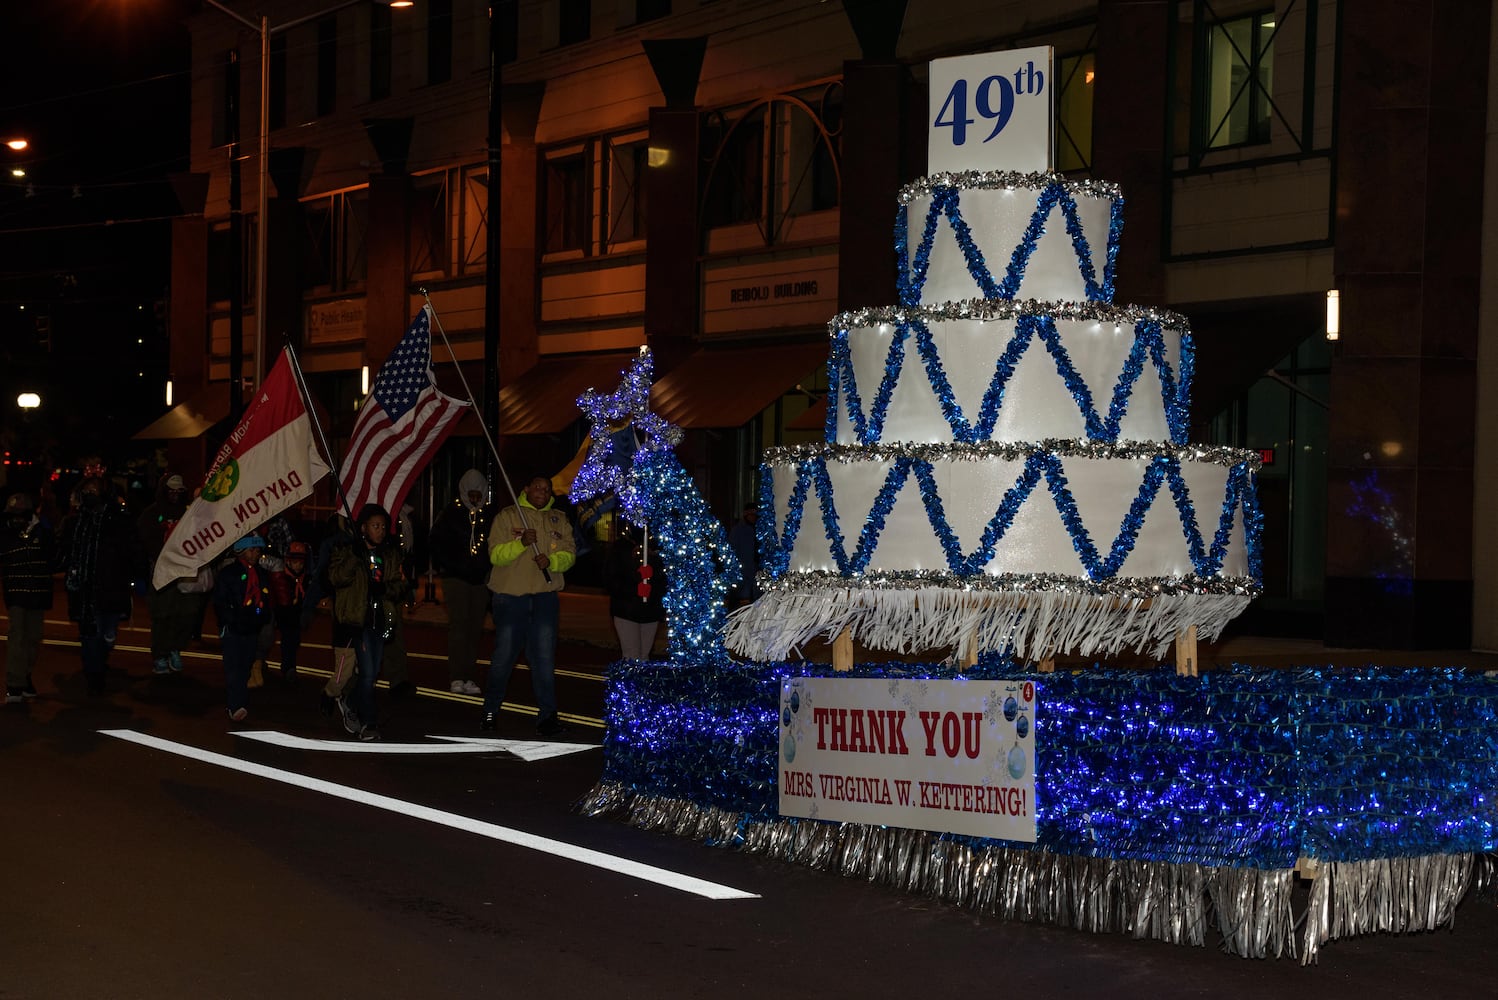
(1234, 80)
(1074, 112)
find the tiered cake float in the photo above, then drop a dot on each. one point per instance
(1006, 465)
(1006, 476)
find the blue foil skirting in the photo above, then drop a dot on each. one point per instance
(1241, 767)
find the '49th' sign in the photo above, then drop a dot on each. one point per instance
(992, 111)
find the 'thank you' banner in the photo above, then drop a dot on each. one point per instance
(949, 756)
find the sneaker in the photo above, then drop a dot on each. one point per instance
(456, 687)
(551, 727)
(175, 659)
(238, 715)
(369, 734)
(470, 688)
(490, 722)
(13, 696)
(29, 691)
(350, 717)
(161, 666)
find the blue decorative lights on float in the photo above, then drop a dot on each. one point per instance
(655, 492)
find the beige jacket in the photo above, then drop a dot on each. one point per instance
(515, 571)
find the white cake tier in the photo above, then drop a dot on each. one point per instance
(1002, 235)
(967, 372)
(1043, 549)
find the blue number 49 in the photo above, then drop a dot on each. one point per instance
(953, 113)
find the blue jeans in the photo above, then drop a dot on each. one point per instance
(526, 622)
(369, 650)
(240, 652)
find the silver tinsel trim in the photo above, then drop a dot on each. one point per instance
(1033, 624)
(1172, 902)
(1011, 451)
(1005, 179)
(1386, 895)
(1006, 309)
(1144, 899)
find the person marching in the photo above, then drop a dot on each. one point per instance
(174, 612)
(242, 601)
(101, 556)
(26, 553)
(289, 585)
(462, 556)
(369, 586)
(530, 546)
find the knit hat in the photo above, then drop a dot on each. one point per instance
(249, 542)
(370, 511)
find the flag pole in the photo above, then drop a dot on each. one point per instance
(322, 439)
(493, 448)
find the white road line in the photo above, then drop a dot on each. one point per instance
(557, 848)
(527, 750)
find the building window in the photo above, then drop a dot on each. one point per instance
(327, 66)
(380, 47)
(1234, 81)
(278, 81)
(317, 245)
(574, 21)
(1074, 112)
(826, 181)
(352, 260)
(429, 225)
(473, 223)
(567, 204)
(439, 40)
(736, 188)
(626, 192)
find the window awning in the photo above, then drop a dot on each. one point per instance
(544, 399)
(729, 387)
(189, 419)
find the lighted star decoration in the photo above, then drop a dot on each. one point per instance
(628, 406)
(655, 492)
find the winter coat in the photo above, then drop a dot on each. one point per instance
(622, 578)
(100, 553)
(364, 579)
(515, 571)
(26, 562)
(240, 609)
(460, 541)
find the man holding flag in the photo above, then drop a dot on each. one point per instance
(402, 423)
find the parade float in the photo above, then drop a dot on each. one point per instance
(1005, 479)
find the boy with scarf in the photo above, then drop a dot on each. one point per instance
(461, 555)
(242, 601)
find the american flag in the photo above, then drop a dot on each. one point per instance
(402, 422)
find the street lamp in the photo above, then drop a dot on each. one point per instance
(262, 246)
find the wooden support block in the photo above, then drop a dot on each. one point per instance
(1047, 665)
(1186, 658)
(842, 651)
(1308, 869)
(970, 655)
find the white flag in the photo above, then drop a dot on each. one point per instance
(268, 464)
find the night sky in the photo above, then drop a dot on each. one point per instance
(100, 88)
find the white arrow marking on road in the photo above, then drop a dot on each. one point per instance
(528, 750)
(557, 848)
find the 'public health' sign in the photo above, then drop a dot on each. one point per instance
(992, 112)
(949, 756)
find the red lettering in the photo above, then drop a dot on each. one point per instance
(819, 716)
(858, 741)
(929, 722)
